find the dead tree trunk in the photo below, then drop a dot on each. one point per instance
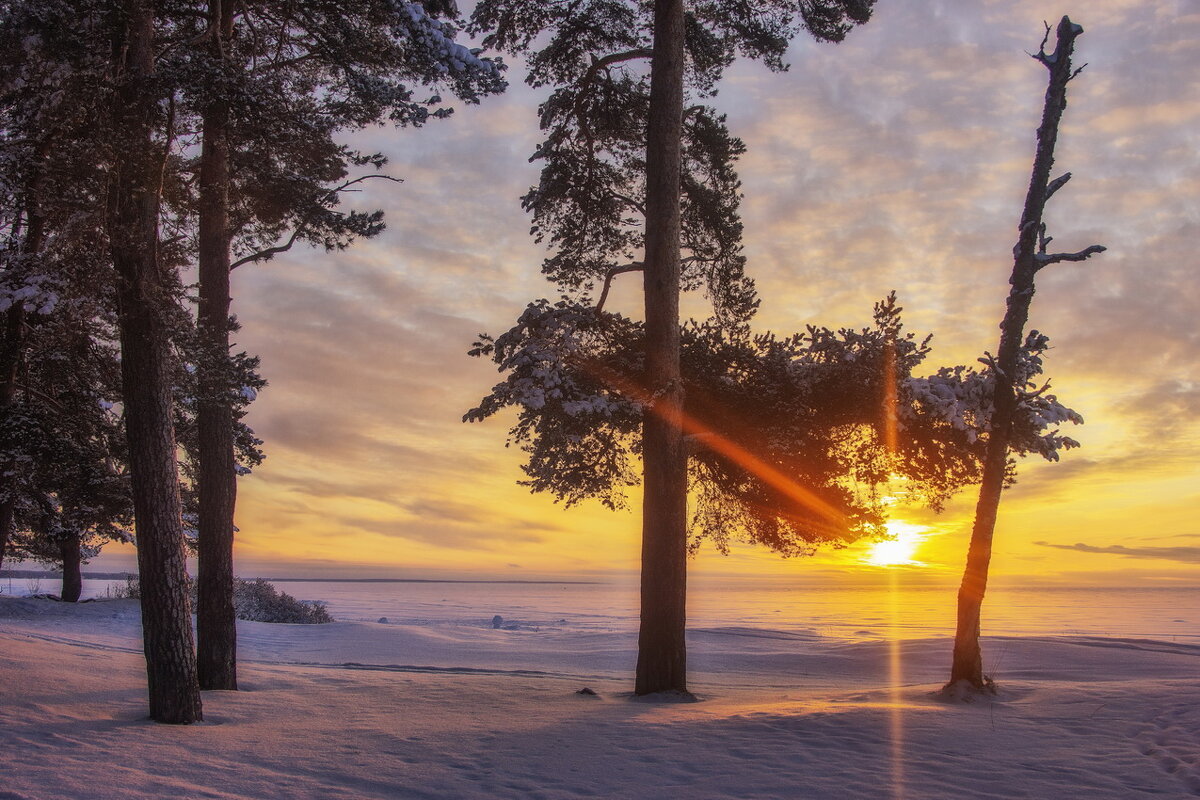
(662, 651)
(72, 574)
(143, 297)
(216, 621)
(1029, 256)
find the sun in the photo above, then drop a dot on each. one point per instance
(900, 549)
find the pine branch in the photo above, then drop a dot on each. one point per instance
(270, 252)
(636, 266)
(637, 205)
(1023, 395)
(607, 61)
(25, 387)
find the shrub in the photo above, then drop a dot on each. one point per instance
(132, 590)
(259, 601)
(256, 601)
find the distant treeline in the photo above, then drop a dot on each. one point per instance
(45, 573)
(120, 576)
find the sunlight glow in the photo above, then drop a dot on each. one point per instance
(832, 522)
(899, 550)
(896, 691)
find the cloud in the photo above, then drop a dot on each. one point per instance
(450, 534)
(898, 159)
(1183, 555)
(1043, 480)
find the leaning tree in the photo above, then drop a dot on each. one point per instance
(1016, 364)
(637, 176)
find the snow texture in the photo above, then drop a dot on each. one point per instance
(414, 710)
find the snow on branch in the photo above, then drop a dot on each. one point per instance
(1057, 184)
(1067, 31)
(1044, 259)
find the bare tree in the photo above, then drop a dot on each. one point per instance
(1011, 388)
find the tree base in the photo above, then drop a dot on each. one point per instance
(964, 691)
(669, 696)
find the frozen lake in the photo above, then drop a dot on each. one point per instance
(848, 613)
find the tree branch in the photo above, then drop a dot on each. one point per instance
(1024, 395)
(636, 266)
(1057, 184)
(989, 360)
(589, 77)
(1041, 53)
(25, 387)
(269, 252)
(637, 205)
(1043, 259)
(610, 59)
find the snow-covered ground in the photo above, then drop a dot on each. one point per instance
(440, 709)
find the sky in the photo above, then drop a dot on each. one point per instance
(896, 160)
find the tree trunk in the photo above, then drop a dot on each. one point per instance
(967, 666)
(10, 360)
(662, 650)
(146, 378)
(72, 576)
(216, 620)
(12, 354)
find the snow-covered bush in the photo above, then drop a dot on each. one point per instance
(256, 601)
(259, 601)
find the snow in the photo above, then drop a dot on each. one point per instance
(422, 709)
(35, 295)
(438, 39)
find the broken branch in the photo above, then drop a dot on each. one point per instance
(1057, 184)
(1043, 259)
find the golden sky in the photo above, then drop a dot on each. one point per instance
(897, 160)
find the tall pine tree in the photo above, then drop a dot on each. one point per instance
(272, 84)
(634, 173)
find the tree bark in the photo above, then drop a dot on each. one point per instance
(10, 360)
(174, 693)
(967, 664)
(662, 650)
(12, 354)
(72, 575)
(216, 620)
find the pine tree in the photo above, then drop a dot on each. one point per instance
(633, 173)
(791, 440)
(272, 84)
(59, 458)
(71, 492)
